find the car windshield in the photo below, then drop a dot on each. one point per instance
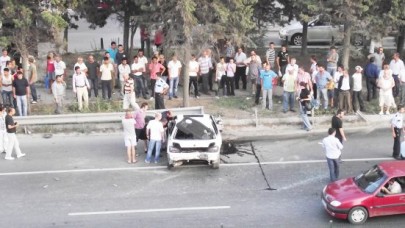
(370, 180)
(191, 128)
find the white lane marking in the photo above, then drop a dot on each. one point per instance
(148, 210)
(300, 183)
(185, 166)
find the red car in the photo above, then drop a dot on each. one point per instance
(376, 192)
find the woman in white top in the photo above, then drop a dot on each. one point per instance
(7, 88)
(230, 74)
(386, 83)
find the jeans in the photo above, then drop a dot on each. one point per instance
(94, 86)
(402, 100)
(7, 98)
(396, 150)
(140, 89)
(304, 116)
(22, 105)
(240, 74)
(322, 93)
(106, 88)
(331, 70)
(205, 85)
(288, 100)
(395, 89)
(151, 145)
(230, 86)
(194, 82)
(33, 92)
(267, 94)
(223, 85)
(174, 83)
(358, 101)
(371, 88)
(333, 165)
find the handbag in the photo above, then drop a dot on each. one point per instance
(308, 105)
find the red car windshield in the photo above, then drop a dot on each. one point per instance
(370, 180)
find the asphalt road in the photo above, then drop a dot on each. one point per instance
(84, 181)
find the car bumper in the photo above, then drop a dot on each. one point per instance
(335, 212)
(204, 156)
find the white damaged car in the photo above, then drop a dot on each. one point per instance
(194, 137)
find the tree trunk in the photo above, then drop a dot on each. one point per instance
(131, 46)
(186, 78)
(346, 44)
(304, 45)
(401, 39)
(127, 18)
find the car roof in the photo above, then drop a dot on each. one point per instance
(393, 168)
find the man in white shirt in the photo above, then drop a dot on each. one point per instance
(357, 87)
(81, 86)
(60, 67)
(4, 58)
(194, 67)
(397, 128)
(292, 66)
(240, 58)
(143, 60)
(155, 135)
(123, 69)
(393, 187)
(332, 147)
(137, 69)
(107, 72)
(80, 63)
(160, 90)
(398, 68)
(174, 74)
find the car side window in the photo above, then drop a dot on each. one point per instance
(394, 186)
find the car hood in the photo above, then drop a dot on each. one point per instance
(343, 190)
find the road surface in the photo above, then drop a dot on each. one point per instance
(84, 181)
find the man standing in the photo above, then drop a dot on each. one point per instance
(4, 58)
(332, 59)
(289, 83)
(282, 60)
(229, 51)
(21, 90)
(137, 68)
(7, 88)
(371, 73)
(266, 77)
(128, 124)
(129, 94)
(60, 67)
(174, 75)
(193, 73)
(155, 135)
(11, 137)
(119, 57)
(332, 148)
(271, 55)
(93, 69)
(337, 124)
(59, 92)
(397, 128)
(161, 88)
(398, 68)
(113, 51)
(139, 117)
(81, 86)
(155, 69)
(254, 74)
(123, 69)
(379, 57)
(32, 78)
(107, 72)
(357, 87)
(144, 61)
(205, 66)
(321, 79)
(3, 130)
(240, 58)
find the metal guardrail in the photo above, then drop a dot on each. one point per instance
(95, 117)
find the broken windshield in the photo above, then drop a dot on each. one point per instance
(191, 128)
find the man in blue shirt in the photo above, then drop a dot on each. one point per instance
(113, 51)
(266, 78)
(322, 78)
(371, 72)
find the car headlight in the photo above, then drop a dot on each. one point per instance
(335, 203)
(173, 149)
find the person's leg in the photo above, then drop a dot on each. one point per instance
(79, 92)
(24, 104)
(175, 85)
(369, 88)
(204, 78)
(349, 103)
(10, 98)
(210, 77)
(157, 154)
(33, 92)
(336, 167)
(86, 98)
(103, 89)
(291, 100)
(265, 91)
(150, 149)
(152, 87)
(171, 89)
(354, 101)
(375, 89)
(325, 98)
(258, 91)
(129, 155)
(19, 105)
(331, 169)
(270, 98)
(232, 85)
(285, 101)
(4, 97)
(195, 84)
(317, 96)
(133, 153)
(10, 145)
(397, 143)
(361, 101)
(109, 89)
(243, 77)
(237, 77)
(95, 87)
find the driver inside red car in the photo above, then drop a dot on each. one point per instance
(393, 187)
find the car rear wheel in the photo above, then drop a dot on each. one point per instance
(296, 39)
(357, 215)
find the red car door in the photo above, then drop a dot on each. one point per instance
(388, 204)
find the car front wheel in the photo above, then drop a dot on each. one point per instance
(357, 215)
(296, 39)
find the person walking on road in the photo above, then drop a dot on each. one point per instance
(397, 129)
(155, 135)
(304, 98)
(337, 124)
(3, 130)
(129, 136)
(332, 148)
(13, 143)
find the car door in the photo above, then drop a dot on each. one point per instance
(384, 204)
(319, 31)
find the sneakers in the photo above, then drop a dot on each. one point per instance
(147, 162)
(21, 155)
(9, 158)
(197, 97)
(381, 113)
(33, 102)
(151, 98)
(175, 96)
(388, 113)
(156, 162)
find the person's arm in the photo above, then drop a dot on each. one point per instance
(74, 83)
(86, 81)
(278, 62)
(393, 130)
(27, 89)
(342, 132)
(14, 91)
(163, 69)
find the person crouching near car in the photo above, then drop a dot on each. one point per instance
(304, 99)
(332, 147)
(129, 136)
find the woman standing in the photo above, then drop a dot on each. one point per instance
(305, 101)
(386, 83)
(230, 77)
(50, 71)
(220, 77)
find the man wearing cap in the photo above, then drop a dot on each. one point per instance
(357, 87)
(80, 88)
